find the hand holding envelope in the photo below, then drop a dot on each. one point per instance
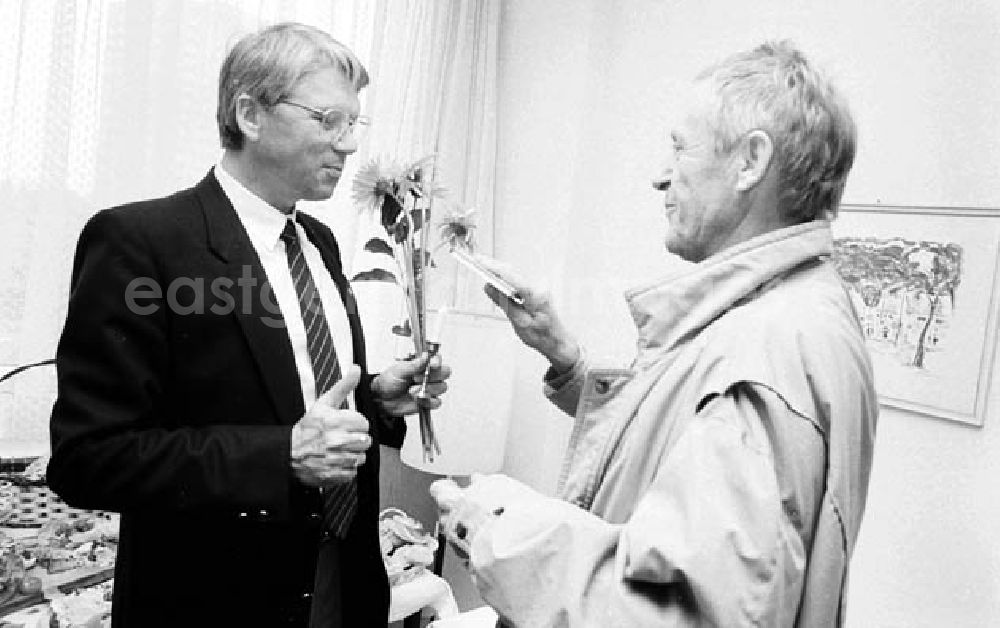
(534, 319)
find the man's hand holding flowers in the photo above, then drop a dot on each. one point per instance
(396, 387)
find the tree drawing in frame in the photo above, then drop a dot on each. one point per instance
(925, 282)
(905, 291)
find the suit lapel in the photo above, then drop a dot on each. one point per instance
(255, 305)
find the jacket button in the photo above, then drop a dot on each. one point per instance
(244, 515)
(263, 514)
(314, 516)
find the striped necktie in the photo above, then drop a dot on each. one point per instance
(340, 501)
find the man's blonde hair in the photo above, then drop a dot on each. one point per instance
(267, 65)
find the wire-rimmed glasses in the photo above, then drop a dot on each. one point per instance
(336, 121)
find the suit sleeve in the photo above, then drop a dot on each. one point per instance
(391, 429)
(707, 544)
(111, 445)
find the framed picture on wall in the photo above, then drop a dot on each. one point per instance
(924, 281)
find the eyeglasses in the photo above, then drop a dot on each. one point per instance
(335, 121)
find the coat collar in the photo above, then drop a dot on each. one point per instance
(263, 222)
(227, 238)
(263, 327)
(678, 307)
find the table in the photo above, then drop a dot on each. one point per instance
(95, 612)
(426, 591)
(54, 586)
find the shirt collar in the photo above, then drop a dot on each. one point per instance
(262, 221)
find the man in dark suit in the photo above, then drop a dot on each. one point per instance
(207, 387)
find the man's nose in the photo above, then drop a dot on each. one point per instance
(346, 144)
(661, 182)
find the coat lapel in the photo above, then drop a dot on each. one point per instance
(255, 308)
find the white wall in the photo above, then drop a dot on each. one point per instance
(544, 78)
(587, 88)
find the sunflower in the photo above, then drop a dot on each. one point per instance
(456, 228)
(374, 181)
(382, 176)
(401, 193)
(415, 179)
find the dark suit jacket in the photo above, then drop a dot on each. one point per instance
(177, 394)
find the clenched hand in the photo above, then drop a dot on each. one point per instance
(329, 442)
(395, 388)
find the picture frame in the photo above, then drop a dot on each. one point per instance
(924, 282)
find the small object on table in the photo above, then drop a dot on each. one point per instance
(24, 505)
(408, 552)
(15, 599)
(406, 549)
(89, 606)
(18, 589)
(37, 616)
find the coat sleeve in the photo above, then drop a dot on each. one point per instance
(111, 448)
(564, 389)
(707, 544)
(391, 429)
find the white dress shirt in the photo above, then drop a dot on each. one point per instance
(264, 224)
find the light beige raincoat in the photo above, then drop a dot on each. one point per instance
(721, 479)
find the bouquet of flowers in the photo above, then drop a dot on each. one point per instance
(403, 196)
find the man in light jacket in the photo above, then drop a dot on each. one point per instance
(721, 478)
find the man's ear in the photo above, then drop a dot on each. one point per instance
(755, 153)
(248, 117)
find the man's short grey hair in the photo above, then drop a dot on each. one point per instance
(266, 65)
(773, 88)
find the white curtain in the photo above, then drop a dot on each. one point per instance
(436, 72)
(110, 101)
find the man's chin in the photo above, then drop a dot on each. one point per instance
(671, 244)
(677, 248)
(321, 193)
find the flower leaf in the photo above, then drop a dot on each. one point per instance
(402, 330)
(457, 229)
(375, 274)
(390, 211)
(378, 245)
(399, 231)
